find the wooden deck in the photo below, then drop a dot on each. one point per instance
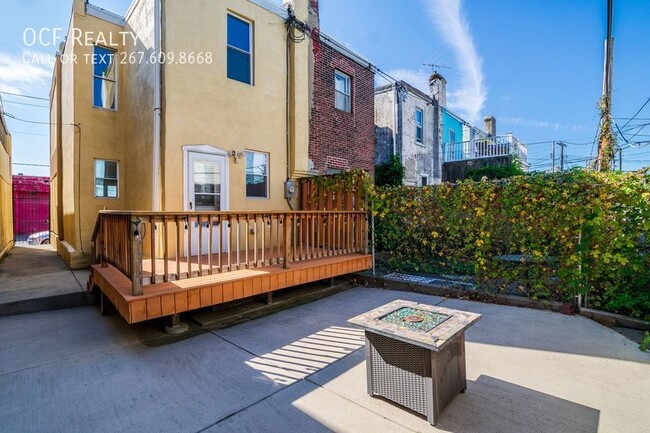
(174, 297)
(243, 254)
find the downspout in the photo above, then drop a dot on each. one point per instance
(288, 100)
(395, 97)
(437, 166)
(399, 123)
(155, 180)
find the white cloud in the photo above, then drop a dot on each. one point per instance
(541, 124)
(24, 73)
(417, 79)
(450, 22)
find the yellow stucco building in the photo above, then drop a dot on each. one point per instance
(6, 200)
(192, 105)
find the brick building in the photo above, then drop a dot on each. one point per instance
(342, 126)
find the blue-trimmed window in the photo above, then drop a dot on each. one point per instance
(240, 50)
(419, 122)
(104, 78)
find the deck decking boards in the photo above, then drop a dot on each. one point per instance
(173, 297)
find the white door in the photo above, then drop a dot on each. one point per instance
(206, 192)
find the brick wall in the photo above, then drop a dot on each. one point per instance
(337, 139)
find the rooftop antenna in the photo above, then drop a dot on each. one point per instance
(434, 67)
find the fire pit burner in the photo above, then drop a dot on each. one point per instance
(415, 319)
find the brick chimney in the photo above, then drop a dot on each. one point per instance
(490, 125)
(314, 16)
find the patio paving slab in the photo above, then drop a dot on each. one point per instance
(303, 370)
(131, 388)
(305, 407)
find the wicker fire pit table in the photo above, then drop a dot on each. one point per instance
(415, 354)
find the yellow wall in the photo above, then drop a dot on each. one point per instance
(6, 200)
(136, 94)
(200, 106)
(203, 107)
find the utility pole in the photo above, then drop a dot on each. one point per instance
(562, 146)
(620, 159)
(609, 54)
(606, 137)
(553, 158)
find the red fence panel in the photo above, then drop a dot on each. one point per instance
(31, 196)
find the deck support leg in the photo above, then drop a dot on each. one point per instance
(104, 305)
(269, 298)
(331, 282)
(177, 327)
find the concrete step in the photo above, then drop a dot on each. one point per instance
(46, 303)
(35, 278)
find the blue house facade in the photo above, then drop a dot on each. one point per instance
(452, 132)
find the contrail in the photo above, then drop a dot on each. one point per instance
(450, 22)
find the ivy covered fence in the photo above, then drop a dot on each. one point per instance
(546, 236)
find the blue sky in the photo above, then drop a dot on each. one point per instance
(535, 66)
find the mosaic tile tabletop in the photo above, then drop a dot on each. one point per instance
(437, 326)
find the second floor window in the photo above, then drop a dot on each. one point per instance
(106, 179)
(452, 136)
(342, 89)
(419, 121)
(240, 52)
(104, 78)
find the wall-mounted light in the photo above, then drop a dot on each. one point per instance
(236, 155)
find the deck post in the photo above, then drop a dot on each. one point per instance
(104, 238)
(287, 240)
(176, 327)
(136, 258)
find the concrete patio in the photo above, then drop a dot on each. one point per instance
(303, 370)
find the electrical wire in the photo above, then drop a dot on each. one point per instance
(30, 165)
(637, 113)
(25, 96)
(11, 116)
(24, 103)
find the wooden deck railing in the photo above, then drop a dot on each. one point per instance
(152, 247)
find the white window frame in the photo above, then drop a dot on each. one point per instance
(348, 95)
(452, 132)
(424, 176)
(268, 175)
(250, 44)
(419, 127)
(92, 82)
(117, 178)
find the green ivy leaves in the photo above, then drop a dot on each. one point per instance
(550, 236)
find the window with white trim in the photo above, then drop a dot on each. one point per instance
(240, 50)
(419, 122)
(452, 136)
(106, 178)
(257, 174)
(342, 88)
(104, 78)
